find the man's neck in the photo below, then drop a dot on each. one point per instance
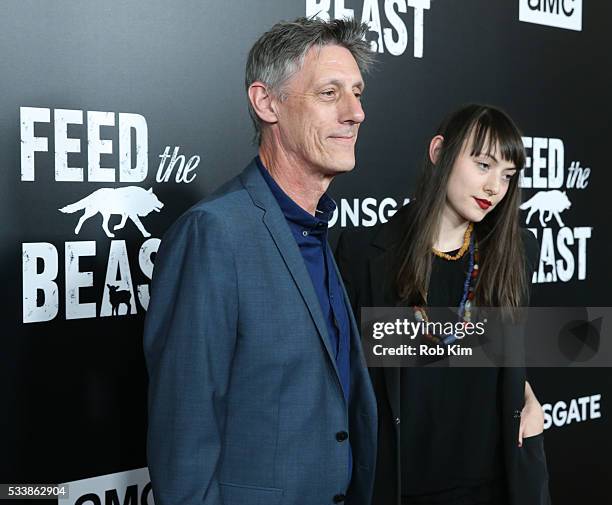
(302, 184)
(451, 232)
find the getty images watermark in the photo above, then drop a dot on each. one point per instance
(535, 337)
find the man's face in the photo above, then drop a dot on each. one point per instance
(478, 183)
(319, 119)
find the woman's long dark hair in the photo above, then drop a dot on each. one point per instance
(502, 278)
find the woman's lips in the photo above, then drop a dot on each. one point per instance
(483, 204)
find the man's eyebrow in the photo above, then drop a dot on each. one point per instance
(336, 82)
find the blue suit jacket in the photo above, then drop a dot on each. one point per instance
(244, 396)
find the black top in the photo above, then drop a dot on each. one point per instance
(450, 433)
(366, 258)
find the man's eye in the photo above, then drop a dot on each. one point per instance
(329, 93)
(358, 96)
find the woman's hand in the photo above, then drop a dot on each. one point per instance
(532, 416)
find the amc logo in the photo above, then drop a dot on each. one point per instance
(132, 487)
(558, 13)
(132, 496)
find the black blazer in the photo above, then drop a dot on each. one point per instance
(365, 258)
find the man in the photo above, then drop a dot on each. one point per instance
(259, 393)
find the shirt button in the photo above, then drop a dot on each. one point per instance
(339, 498)
(305, 233)
(341, 436)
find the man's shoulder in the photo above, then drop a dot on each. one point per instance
(232, 200)
(225, 208)
(228, 198)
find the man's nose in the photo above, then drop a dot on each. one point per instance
(352, 111)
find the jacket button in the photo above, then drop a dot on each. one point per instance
(341, 436)
(339, 498)
(396, 420)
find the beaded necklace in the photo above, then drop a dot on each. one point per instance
(464, 313)
(464, 247)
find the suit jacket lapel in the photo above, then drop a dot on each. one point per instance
(278, 228)
(383, 293)
(381, 297)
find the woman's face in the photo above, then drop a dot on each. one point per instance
(477, 183)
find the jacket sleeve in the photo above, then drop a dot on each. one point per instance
(189, 339)
(527, 471)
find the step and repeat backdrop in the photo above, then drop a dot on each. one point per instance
(115, 117)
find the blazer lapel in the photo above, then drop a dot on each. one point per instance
(381, 291)
(277, 226)
(383, 294)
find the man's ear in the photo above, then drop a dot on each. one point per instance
(263, 102)
(435, 146)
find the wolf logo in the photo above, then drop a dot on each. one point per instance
(554, 202)
(131, 202)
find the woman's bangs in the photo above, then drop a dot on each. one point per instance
(498, 138)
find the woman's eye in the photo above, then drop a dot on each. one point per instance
(482, 165)
(508, 177)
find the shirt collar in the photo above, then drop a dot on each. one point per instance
(293, 212)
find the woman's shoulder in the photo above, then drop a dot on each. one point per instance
(381, 236)
(357, 246)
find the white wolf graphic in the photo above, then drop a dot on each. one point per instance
(554, 202)
(131, 202)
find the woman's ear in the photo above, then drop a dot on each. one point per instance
(435, 146)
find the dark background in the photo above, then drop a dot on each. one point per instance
(74, 391)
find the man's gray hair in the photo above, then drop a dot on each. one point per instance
(279, 53)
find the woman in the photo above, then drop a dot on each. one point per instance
(454, 435)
